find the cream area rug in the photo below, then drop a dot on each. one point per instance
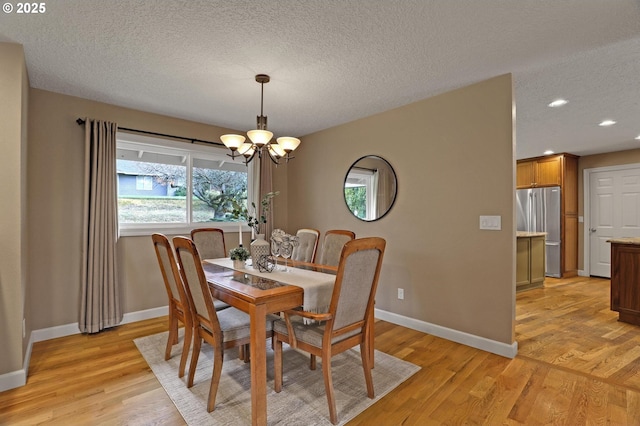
(302, 400)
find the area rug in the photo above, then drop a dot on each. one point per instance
(302, 400)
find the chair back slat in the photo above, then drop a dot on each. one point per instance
(356, 281)
(308, 245)
(195, 281)
(168, 268)
(210, 242)
(334, 241)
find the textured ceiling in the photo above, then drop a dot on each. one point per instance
(334, 61)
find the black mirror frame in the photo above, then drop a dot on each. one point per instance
(395, 195)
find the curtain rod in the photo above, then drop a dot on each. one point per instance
(81, 121)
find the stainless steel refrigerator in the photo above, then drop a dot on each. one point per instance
(538, 210)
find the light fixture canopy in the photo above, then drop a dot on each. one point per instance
(260, 138)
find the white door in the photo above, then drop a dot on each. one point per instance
(614, 213)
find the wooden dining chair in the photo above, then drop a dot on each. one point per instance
(210, 242)
(347, 323)
(307, 245)
(334, 241)
(179, 307)
(223, 329)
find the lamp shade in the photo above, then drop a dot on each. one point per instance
(277, 150)
(231, 141)
(260, 137)
(246, 149)
(288, 143)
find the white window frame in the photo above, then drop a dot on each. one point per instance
(188, 151)
(369, 179)
(144, 183)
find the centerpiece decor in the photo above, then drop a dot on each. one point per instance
(259, 246)
(282, 244)
(259, 249)
(239, 255)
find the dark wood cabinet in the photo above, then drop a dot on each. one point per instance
(625, 280)
(557, 170)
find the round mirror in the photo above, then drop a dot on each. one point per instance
(370, 188)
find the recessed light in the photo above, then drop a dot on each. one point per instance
(548, 152)
(606, 123)
(558, 103)
(638, 137)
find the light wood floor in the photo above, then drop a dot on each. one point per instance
(576, 365)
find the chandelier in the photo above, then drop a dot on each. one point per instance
(260, 138)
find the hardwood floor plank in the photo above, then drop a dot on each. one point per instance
(576, 365)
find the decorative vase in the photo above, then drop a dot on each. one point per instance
(259, 247)
(238, 264)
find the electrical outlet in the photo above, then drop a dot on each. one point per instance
(401, 293)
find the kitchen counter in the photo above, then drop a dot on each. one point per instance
(523, 234)
(625, 280)
(626, 240)
(530, 260)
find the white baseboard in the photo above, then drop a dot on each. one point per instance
(482, 343)
(582, 273)
(18, 378)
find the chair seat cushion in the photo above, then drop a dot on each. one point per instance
(308, 333)
(220, 305)
(235, 324)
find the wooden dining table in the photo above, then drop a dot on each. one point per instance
(259, 296)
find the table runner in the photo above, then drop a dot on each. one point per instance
(317, 286)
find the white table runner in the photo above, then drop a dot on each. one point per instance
(317, 286)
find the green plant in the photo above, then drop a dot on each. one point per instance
(257, 218)
(239, 253)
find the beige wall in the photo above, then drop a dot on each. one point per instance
(13, 209)
(55, 197)
(453, 155)
(592, 162)
(457, 164)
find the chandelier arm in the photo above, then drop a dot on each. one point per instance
(275, 160)
(248, 160)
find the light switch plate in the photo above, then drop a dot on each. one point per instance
(492, 223)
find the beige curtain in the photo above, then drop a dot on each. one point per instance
(100, 297)
(266, 186)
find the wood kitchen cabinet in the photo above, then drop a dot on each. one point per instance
(557, 170)
(625, 279)
(530, 260)
(539, 172)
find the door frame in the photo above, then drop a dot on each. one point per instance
(586, 207)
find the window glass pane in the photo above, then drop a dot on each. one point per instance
(356, 198)
(151, 191)
(216, 186)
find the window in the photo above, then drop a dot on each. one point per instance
(173, 187)
(143, 182)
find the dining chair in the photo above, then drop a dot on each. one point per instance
(210, 242)
(332, 244)
(347, 323)
(223, 329)
(179, 307)
(307, 246)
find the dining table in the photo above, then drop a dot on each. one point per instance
(260, 293)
